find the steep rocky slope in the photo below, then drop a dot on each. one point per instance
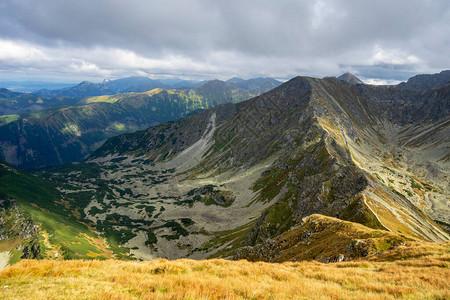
(426, 81)
(240, 174)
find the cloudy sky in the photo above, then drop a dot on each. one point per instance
(379, 41)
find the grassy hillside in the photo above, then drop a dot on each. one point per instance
(19, 103)
(323, 239)
(414, 271)
(59, 232)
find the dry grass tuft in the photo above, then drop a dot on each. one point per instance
(419, 270)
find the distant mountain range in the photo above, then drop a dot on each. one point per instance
(4, 93)
(62, 135)
(12, 103)
(143, 84)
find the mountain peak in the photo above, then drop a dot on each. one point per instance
(215, 83)
(84, 83)
(5, 93)
(350, 78)
(235, 80)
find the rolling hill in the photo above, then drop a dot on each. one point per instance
(12, 104)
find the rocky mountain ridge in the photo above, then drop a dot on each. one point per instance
(243, 174)
(426, 81)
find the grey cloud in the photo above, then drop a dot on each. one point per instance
(387, 39)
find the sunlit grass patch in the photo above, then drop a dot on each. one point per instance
(422, 278)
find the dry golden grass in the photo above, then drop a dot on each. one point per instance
(419, 270)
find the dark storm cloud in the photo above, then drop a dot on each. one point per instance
(376, 39)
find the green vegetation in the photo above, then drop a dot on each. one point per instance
(8, 119)
(209, 195)
(47, 208)
(176, 228)
(410, 194)
(379, 178)
(270, 184)
(235, 238)
(415, 185)
(278, 215)
(151, 238)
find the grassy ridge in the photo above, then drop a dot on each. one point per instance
(418, 270)
(323, 239)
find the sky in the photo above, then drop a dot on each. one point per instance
(378, 41)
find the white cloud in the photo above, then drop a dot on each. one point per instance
(205, 39)
(19, 52)
(381, 81)
(393, 57)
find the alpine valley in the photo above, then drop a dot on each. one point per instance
(313, 169)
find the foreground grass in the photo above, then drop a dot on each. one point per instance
(413, 271)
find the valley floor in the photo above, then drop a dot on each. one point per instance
(414, 271)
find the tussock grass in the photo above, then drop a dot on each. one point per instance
(418, 271)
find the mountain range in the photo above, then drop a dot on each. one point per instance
(69, 129)
(143, 84)
(271, 178)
